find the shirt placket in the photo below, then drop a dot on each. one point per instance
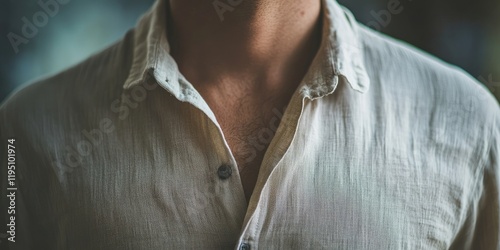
(276, 151)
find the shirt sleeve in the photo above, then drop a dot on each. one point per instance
(481, 229)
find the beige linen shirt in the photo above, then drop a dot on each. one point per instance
(380, 147)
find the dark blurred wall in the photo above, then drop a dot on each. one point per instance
(76, 30)
(465, 33)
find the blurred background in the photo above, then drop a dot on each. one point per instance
(461, 32)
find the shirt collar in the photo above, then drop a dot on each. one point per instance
(340, 54)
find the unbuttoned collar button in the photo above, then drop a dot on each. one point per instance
(224, 171)
(245, 246)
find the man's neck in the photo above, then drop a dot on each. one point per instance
(267, 44)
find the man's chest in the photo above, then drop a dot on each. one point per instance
(330, 197)
(324, 182)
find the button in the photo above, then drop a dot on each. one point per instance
(224, 171)
(245, 246)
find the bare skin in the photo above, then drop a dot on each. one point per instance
(245, 66)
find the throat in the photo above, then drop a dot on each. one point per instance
(246, 68)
